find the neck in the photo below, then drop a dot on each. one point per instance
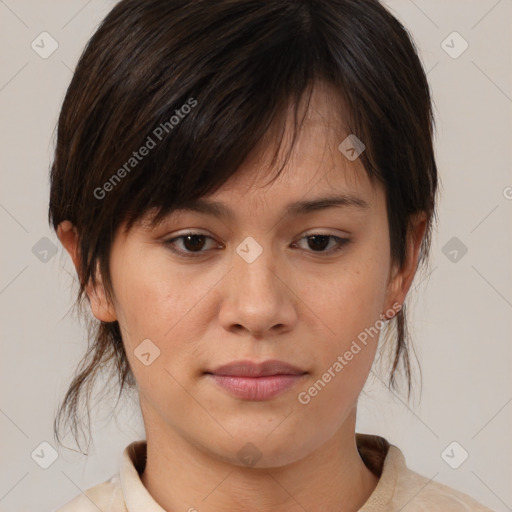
(182, 477)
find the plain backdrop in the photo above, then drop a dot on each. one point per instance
(460, 312)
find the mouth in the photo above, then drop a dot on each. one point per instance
(256, 381)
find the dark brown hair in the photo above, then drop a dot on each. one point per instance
(212, 77)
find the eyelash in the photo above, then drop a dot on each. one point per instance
(342, 243)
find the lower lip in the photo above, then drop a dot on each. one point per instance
(256, 388)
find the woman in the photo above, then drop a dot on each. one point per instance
(246, 189)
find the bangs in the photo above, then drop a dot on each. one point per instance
(175, 119)
(193, 164)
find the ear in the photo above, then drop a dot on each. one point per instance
(101, 309)
(401, 279)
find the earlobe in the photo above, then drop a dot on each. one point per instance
(100, 307)
(401, 280)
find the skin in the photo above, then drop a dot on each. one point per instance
(292, 303)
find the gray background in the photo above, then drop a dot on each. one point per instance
(462, 309)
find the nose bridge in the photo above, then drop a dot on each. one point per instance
(255, 297)
(255, 267)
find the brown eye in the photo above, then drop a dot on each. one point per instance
(191, 244)
(319, 242)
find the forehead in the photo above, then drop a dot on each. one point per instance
(316, 171)
(314, 166)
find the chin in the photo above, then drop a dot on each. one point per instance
(263, 448)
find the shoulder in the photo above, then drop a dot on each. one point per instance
(106, 496)
(418, 493)
(400, 488)
(125, 486)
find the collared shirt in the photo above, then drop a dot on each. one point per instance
(398, 487)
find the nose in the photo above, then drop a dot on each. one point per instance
(257, 297)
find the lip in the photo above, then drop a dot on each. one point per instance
(250, 369)
(256, 381)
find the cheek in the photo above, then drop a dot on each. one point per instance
(159, 303)
(347, 303)
(153, 308)
(140, 301)
(349, 308)
(150, 296)
(348, 298)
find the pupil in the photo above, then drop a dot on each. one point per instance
(324, 239)
(191, 246)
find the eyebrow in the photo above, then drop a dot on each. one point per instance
(296, 208)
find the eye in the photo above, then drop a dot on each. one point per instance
(193, 244)
(319, 241)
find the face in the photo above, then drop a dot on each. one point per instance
(264, 283)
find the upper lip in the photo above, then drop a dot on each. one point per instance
(251, 369)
